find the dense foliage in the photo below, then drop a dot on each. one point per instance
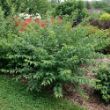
(96, 38)
(105, 17)
(7, 25)
(102, 21)
(75, 9)
(48, 54)
(64, 8)
(49, 57)
(103, 86)
(107, 9)
(29, 6)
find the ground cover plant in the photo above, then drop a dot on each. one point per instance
(103, 86)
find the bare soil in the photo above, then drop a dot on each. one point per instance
(93, 102)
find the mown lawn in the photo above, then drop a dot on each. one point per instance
(13, 96)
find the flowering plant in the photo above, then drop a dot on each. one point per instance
(28, 19)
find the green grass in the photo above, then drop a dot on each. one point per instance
(14, 96)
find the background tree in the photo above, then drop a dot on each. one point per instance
(30, 6)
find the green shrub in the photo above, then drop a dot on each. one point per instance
(65, 8)
(30, 6)
(78, 15)
(7, 25)
(50, 57)
(99, 5)
(107, 9)
(105, 17)
(103, 22)
(103, 86)
(95, 37)
(75, 9)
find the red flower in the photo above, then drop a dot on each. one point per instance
(40, 22)
(27, 21)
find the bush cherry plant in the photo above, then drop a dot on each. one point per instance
(103, 86)
(46, 57)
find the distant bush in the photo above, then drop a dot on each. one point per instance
(102, 22)
(100, 38)
(30, 6)
(99, 5)
(65, 8)
(78, 16)
(103, 86)
(95, 37)
(107, 9)
(75, 9)
(7, 25)
(105, 17)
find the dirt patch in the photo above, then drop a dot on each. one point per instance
(92, 101)
(104, 60)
